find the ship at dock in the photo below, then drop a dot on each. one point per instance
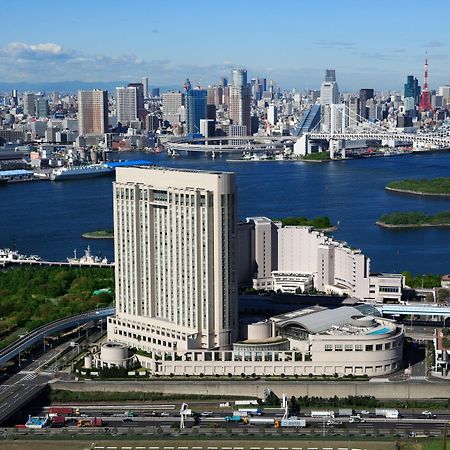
(76, 172)
(8, 255)
(88, 259)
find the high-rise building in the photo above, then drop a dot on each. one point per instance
(330, 75)
(144, 82)
(29, 104)
(92, 112)
(240, 99)
(272, 114)
(411, 93)
(171, 107)
(364, 95)
(195, 109)
(329, 91)
(42, 107)
(139, 100)
(126, 104)
(175, 246)
(444, 92)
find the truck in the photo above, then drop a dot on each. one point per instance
(388, 413)
(58, 421)
(258, 420)
(92, 422)
(290, 422)
(345, 412)
(245, 402)
(251, 411)
(60, 411)
(356, 419)
(233, 418)
(322, 414)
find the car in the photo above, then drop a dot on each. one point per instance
(334, 422)
(206, 413)
(164, 414)
(365, 412)
(127, 419)
(153, 413)
(426, 413)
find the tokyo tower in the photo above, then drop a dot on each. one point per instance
(425, 99)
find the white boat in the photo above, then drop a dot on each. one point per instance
(88, 259)
(75, 172)
(8, 255)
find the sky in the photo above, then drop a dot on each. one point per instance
(370, 44)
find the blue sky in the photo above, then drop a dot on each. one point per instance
(370, 44)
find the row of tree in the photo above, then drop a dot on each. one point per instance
(31, 297)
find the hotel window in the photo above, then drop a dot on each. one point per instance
(387, 346)
(358, 348)
(369, 348)
(328, 347)
(338, 348)
(379, 347)
(348, 348)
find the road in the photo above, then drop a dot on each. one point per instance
(40, 333)
(22, 387)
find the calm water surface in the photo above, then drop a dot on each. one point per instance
(48, 218)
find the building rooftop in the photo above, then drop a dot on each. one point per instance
(361, 319)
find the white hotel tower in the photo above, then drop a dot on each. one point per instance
(176, 287)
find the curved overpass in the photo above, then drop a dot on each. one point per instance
(36, 335)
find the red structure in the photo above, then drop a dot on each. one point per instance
(425, 99)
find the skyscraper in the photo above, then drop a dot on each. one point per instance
(92, 112)
(240, 99)
(329, 95)
(411, 93)
(330, 75)
(175, 244)
(171, 107)
(29, 107)
(144, 82)
(126, 104)
(139, 100)
(195, 109)
(42, 107)
(364, 95)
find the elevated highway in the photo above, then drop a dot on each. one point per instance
(40, 333)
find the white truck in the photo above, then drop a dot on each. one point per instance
(323, 414)
(388, 413)
(251, 411)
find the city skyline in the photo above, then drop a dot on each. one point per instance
(294, 49)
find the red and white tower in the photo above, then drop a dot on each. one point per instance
(425, 99)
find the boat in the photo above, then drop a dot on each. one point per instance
(9, 255)
(88, 259)
(75, 172)
(172, 153)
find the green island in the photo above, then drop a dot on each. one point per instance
(318, 157)
(321, 223)
(99, 234)
(413, 219)
(31, 297)
(433, 186)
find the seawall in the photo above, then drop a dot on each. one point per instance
(380, 390)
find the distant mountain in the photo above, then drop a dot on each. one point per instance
(70, 87)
